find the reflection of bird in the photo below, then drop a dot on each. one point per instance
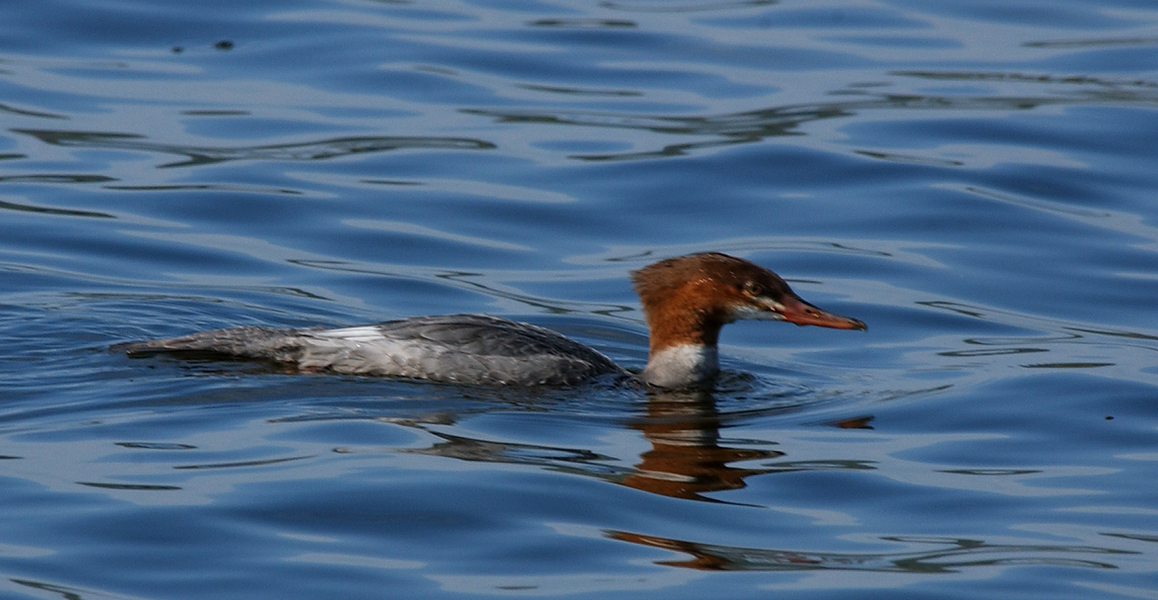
(686, 300)
(686, 459)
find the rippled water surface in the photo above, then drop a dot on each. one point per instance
(975, 180)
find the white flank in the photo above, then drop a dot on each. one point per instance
(361, 333)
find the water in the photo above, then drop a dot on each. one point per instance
(974, 180)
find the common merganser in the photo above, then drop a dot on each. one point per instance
(686, 301)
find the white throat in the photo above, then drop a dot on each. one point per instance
(682, 366)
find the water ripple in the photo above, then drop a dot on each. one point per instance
(200, 155)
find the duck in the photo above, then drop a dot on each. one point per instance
(686, 300)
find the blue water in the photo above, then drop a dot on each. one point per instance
(975, 180)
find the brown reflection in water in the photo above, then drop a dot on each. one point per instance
(853, 423)
(950, 555)
(686, 459)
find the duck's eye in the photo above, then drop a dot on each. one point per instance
(752, 288)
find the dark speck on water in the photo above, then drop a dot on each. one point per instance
(974, 179)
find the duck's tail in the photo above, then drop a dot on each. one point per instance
(269, 343)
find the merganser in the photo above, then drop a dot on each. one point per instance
(686, 301)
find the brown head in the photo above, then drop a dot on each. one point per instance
(688, 299)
